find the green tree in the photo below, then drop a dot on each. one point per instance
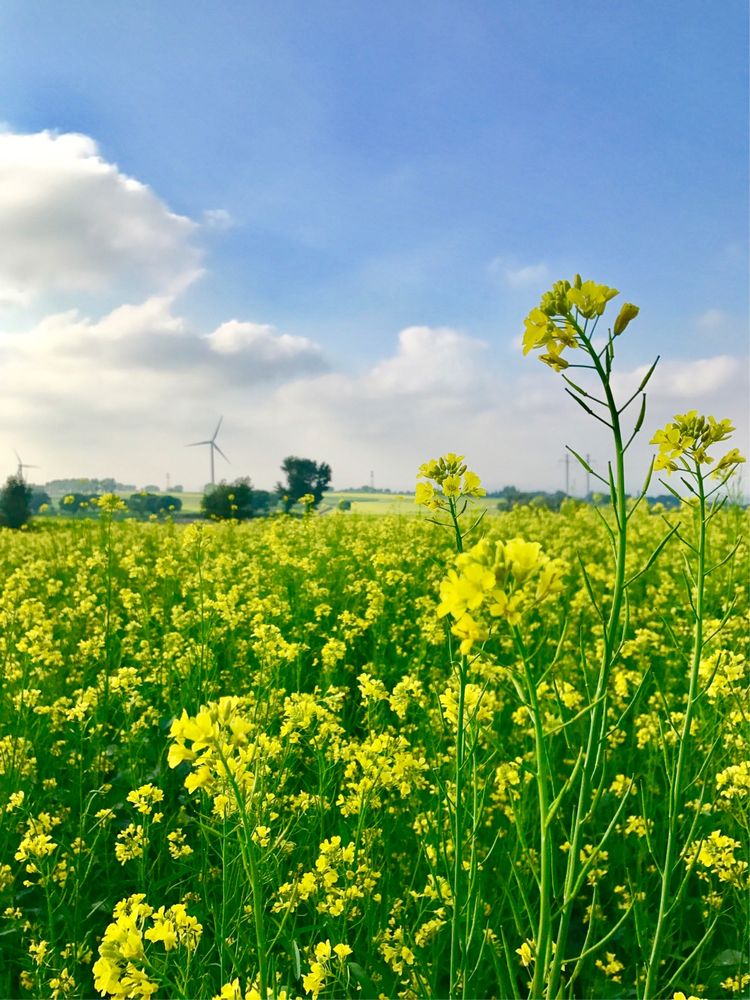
(303, 475)
(229, 501)
(144, 503)
(39, 498)
(15, 502)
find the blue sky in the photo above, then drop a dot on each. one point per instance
(352, 171)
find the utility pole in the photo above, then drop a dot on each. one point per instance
(372, 480)
(567, 473)
(167, 489)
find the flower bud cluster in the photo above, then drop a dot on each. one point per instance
(496, 580)
(555, 323)
(690, 436)
(448, 478)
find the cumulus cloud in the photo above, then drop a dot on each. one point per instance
(430, 360)
(136, 355)
(261, 352)
(74, 223)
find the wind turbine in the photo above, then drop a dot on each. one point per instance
(22, 466)
(213, 446)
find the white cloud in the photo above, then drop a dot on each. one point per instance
(134, 357)
(712, 319)
(72, 223)
(519, 276)
(428, 360)
(217, 218)
(14, 296)
(271, 353)
(687, 379)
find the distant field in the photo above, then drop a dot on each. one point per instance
(362, 502)
(386, 503)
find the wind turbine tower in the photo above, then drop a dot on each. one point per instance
(22, 465)
(213, 446)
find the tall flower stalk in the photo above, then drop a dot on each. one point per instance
(683, 447)
(447, 490)
(567, 319)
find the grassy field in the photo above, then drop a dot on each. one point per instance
(228, 761)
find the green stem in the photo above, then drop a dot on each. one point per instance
(456, 526)
(592, 759)
(675, 794)
(457, 961)
(544, 926)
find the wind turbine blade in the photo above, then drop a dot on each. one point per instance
(221, 453)
(217, 428)
(17, 456)
(196, 443)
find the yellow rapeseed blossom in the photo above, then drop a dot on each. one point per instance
(499, 580)
(716, 853)
(145, 797)
(554, 325)
(447, 478)
(689, 436)
(611, 966)
(120, 971)
(526, 952)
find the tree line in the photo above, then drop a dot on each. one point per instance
(238, 500)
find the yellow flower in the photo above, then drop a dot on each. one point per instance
(452, 486)
(732, 458)
(612, 967)
(690, 436)
(425, 495)
(526, 952)
(323, 951)
(539, 331)
(472, 486)
(590, 299)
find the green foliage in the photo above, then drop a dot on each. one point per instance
(15, 503)
(39, 498)
(77, 503)
(145, 504)
(303, 475)
(229, 501)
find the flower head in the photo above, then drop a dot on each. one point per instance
(559, 321)
(689, 436)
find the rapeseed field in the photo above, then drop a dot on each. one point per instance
(396, 757)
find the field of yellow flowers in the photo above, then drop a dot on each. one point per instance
(154, 677)
(408, 757)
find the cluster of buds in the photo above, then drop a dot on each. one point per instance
(448, 480)
(557, 321)
(690, 436)
(496, 580)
